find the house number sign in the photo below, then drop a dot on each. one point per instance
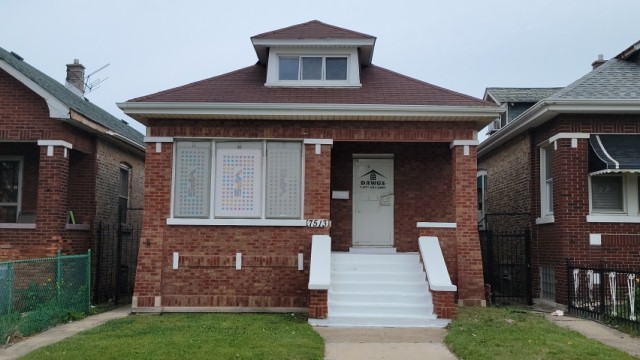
(317, 223)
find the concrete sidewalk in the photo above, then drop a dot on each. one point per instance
(599, 332)
(59, 333)
(384, 343)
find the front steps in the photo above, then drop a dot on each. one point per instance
(379, 290)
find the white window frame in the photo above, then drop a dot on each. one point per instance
(124, 168)
(546, 208)
(261, 220)
(273, 67)
(630, 200)
(482, 176)
(18, 205)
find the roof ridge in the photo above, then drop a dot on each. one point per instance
(309, 23)
(435, 86)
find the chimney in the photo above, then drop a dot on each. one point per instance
(75, 77)
(598, 62)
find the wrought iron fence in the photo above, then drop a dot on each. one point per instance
(604, 293)
(38, 293)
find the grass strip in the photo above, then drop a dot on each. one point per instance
(508, 333)
(193, 336)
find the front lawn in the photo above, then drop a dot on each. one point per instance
(507, 333)
(193, 336)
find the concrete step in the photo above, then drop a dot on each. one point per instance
(373, 267)
(381, 277)
(385, 298)
(377, 287)
(338, 308)
(386, 258)
(381, 321)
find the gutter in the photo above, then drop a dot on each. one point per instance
(547, 109)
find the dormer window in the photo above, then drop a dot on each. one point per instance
(313, 68)
(322, 68)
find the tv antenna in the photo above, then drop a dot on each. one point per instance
(90, 85)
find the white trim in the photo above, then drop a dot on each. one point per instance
(434, 264)
(158, 139)
(300, 261)
(439, 225)
(57, 109)
(320, 263)
(176, 258)
(17, 226)
(235, 222)
(613, 219)
(595, 239)
(318, 141)
(559, 136)
(238, 261)
(463, 143)
(604, 151)
(55, 143)
(284, 111)
(549, 219)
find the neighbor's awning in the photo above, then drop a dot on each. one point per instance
(614, 154)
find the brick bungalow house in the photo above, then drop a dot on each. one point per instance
(571, 163)
(59, 155)
(313, 141)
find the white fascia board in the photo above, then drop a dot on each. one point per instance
(547, 109)
(57, 109)
(313, 42)
(258, 109)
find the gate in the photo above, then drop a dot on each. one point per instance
(116, 251)
(506, 260)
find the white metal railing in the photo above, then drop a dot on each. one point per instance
(434, 265)
(320, 268)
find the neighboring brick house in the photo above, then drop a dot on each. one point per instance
(60, 155)
(571, 162)
(240, 165)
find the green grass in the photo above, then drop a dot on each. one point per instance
(193, 336)
(506, 333)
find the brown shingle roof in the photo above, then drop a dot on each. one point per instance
(312, 30)
(379, 86)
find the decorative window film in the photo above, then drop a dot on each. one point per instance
(238, 183)
(192, 179)
(283, 181)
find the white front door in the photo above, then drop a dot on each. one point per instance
(373, 202)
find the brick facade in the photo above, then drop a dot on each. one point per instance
(53, 185)
(568, 235)
(207, 276)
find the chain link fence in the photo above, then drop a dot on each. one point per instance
(39, 293)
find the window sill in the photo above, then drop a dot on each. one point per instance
(235, 222)
(613, 219)
(79, 227)
(17, 226)
(549, 219)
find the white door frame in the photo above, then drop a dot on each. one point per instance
(375, 198)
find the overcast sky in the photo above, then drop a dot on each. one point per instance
(463, 45)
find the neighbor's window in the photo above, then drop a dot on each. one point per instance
(312, 68)
(10, 188)
(123, 193)
(607, 193)
(481, 191)
(546, 175)
(548, 283)
(238, 180)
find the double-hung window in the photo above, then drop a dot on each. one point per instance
(10, 188)
(123, 193)
(614, 197)
(240, 179)
(312, 68)
(546, 182)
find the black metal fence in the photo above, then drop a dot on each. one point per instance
(506, 261)
(604, 293)
(116, 252)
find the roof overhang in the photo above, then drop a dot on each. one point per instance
(143, 111)
(366, 46)
(57, 109)
(545, 110)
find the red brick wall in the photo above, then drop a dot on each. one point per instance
(25, 119)
(207, 277)
(568, 236)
